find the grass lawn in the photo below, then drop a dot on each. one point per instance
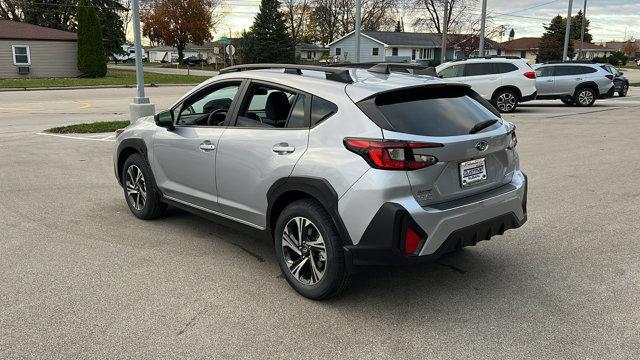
(96, 127)
(114, 77)
(635, 84)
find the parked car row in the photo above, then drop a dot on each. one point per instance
(506, 81)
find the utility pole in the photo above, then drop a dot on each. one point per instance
(141, 105)
(482, 21)
(358, 25)
(584, 15)
(445, 28)
(566, 33)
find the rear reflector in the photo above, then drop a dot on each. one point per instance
(530, 74)
(392, 154)
(411, 241)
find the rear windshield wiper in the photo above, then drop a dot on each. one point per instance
(482, 125)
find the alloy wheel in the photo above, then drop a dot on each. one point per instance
(304, 250)
(136, 187)
(585, 97)
(506, 102)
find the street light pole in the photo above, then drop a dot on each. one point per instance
(567, 32)
(445, 28)
(358, 25)
(584, 15)
(141, 105)
(482, 21)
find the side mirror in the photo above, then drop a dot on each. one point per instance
(165, 119)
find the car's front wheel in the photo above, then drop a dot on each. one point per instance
(584, 97)
(309, 250)
(624, 91)
(505, 101)
(140, 191)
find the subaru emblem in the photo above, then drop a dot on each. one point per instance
(482, 146)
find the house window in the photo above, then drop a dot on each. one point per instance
(413, 54)
(394, 51)
(422, 54)
(338, 51)
(21, 55)
(374, 52)
(308, 55)
(523, 54)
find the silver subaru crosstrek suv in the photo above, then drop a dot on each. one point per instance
(341, 168)
(577, 83)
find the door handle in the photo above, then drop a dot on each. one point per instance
(578, 79)
(549, 80)
(283, 148)
(207, 146)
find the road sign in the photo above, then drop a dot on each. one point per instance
(230, 50)
(224, 40)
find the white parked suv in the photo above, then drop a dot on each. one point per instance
(503, 80)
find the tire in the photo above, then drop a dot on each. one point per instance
(505, 101)
(137, 180)
(624, 91)
(568, 101)
(323, 274)
(585, 96)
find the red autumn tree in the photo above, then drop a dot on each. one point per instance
(179, 22)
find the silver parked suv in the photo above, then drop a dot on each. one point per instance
(574, 83)
(341, 168)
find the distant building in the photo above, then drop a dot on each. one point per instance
(411, 47)
(168, 54)
(524, 47)
(311, 53)
(38, 52)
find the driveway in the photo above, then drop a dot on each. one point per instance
(82, 278)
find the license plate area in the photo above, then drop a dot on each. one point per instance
(472, 172)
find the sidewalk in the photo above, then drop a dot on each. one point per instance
(162, 70)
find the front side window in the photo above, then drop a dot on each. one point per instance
(21, 55)
(374, 52)
(452, 71)
(271, 107)
(208, 108)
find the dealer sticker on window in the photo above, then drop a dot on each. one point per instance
(472, 172)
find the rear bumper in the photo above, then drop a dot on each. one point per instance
(443, 227)
(529, 97)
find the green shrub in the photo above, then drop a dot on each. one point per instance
(92, 61)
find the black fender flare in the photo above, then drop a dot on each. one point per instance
(285, 190)
(589, 84)
(126, 148)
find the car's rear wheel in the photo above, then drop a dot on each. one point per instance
(624, 91)
(584, 97)
(309, 250)
(140, 191)
(567, 101)
(505, 101)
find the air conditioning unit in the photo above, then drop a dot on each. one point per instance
(23, 70)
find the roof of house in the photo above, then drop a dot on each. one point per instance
(523, 43)
(311, 47)
(590, 46)
(393, 38)
(15, 30)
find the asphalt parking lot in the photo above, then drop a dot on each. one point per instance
(81, 277)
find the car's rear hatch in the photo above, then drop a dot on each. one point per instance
(475, 155)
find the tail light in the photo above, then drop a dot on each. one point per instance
(514, 138)
(392, 154)
(530, 74)
(610, 77)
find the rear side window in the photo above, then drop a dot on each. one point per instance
(502, 68)
(476, 69)
(321, 109)
(574, 70)
(439, 111)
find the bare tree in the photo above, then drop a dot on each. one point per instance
(11, 9)
(430, 15)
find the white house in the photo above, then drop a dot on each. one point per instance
(170, 54)
(310, 53)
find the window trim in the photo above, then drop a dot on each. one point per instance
(236, 111)
(13, 51)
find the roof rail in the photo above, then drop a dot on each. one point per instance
(571, 62)
(332, 73)
(488, 57)
(389, 67)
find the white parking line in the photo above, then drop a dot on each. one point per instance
(99, 137)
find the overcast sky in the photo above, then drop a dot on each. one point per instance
(609, 18)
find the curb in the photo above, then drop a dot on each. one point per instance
(88, 87)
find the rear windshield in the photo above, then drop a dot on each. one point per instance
(439, 111)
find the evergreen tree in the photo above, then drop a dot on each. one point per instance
(398, 27)
(576, 23)
(269, 35)
(111, 24)
(552, 42)
(92, 61)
